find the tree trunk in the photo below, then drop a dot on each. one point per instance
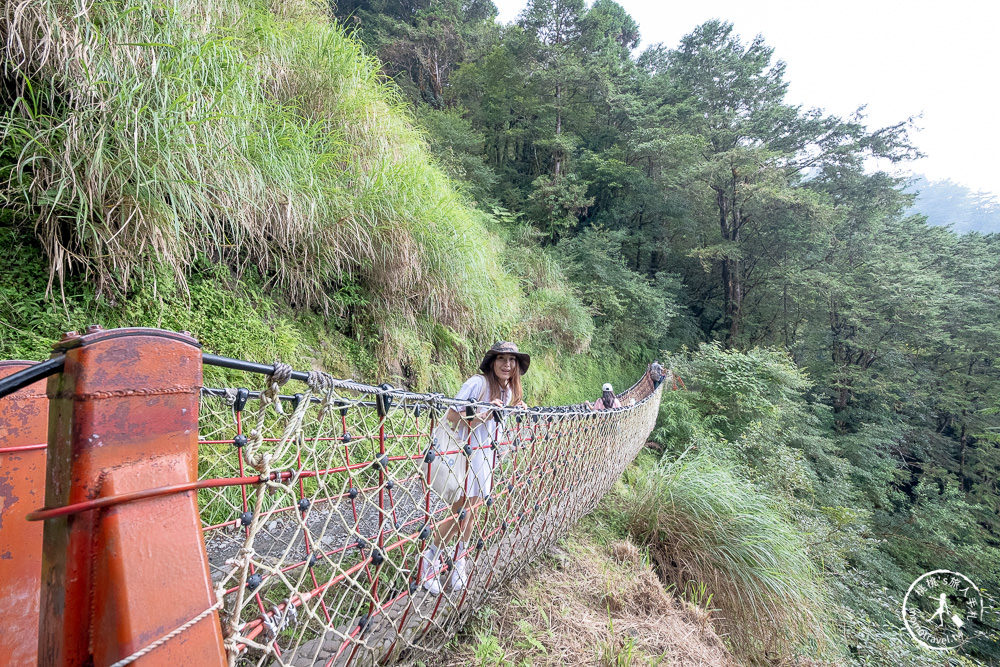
(734, 298)
(558, 155)
(732, 280)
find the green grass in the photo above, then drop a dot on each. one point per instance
(256, 139)
(719, 540)
(245, 174)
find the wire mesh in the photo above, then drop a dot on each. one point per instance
(318, 511)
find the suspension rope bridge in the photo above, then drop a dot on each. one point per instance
(276, 523)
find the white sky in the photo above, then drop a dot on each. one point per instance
(937, 58)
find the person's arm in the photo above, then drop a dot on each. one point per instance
(471, 391)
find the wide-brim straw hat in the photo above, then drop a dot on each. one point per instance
(505, 347)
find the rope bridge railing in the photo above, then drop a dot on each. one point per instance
(314, 511)
(319, 561)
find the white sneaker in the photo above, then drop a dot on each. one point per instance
(459, 577)
(430, 568)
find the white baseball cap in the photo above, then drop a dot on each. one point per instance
(607, 387)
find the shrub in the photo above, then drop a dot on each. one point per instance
(704, 524)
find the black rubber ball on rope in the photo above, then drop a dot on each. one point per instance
(353, 493)
(304, 504)
(240, 441)
(253, 581)
(246, 518)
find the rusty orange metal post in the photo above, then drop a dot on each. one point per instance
(23, 428)
(123, 417)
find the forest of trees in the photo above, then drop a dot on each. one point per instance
(689, 202)
(252, 174)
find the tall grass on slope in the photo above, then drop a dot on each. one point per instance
(254, 133)
(703, 524)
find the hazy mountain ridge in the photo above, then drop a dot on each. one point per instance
(949, 203)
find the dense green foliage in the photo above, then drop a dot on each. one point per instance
(184, 134)
(756, 415)
(235, 169)
(247, 172)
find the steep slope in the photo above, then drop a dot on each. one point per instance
(241, 170)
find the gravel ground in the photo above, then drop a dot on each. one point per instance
(331, 526)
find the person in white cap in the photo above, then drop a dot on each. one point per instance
(607, 401)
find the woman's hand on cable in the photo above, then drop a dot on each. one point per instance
(487, 414)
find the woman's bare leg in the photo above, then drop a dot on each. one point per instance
(449, 527)
(470, 521)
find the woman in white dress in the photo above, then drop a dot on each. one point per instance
(500, 384)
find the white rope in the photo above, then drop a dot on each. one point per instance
(167, 637)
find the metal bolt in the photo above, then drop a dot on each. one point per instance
(69, 335)
(94, 328)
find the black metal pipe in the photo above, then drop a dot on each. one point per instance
(31, 375)
(240, 365)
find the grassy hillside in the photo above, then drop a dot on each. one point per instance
(242, 171)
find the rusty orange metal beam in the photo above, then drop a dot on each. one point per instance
(24, 420)
(124, 419)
